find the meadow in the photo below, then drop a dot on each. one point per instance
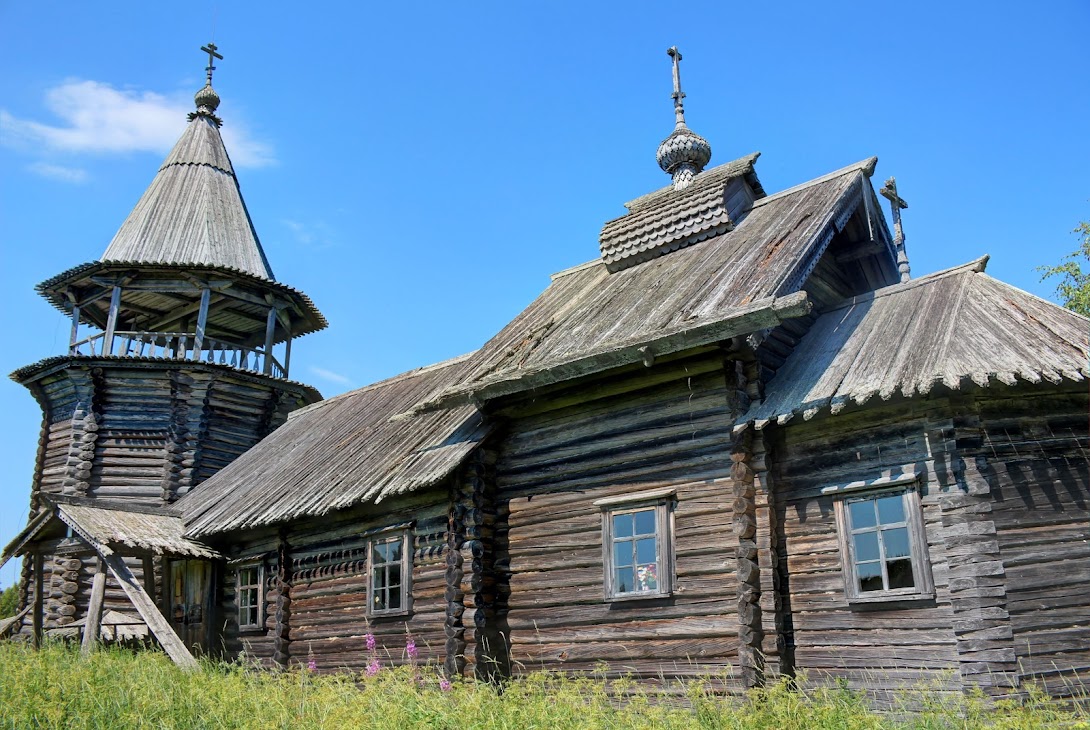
(113, 688)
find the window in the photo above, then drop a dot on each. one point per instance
(249, 596)
(390, 571)
(637, 539)
(883, 547)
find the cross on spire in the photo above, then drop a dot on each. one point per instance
(678, 94)
(211, 49)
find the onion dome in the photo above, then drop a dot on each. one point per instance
(684, 154)
(207, 100)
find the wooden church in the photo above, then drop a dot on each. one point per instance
(740, 442)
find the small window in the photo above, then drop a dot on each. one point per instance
(638, 546)
(390, 573)
(250, 597)
(883, 547)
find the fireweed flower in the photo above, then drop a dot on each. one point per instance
(312, 666)
(370, 639)
(373, 667)
(410, 649)
(444, 684)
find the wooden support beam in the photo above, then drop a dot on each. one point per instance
(75, 330)
(93, 627)
(181, 313)
(270, 332)
(202, 321)
(172, 645)
(287, 356)
(111, 321)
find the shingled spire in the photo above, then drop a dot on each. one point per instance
(684, 153)
(193, 211)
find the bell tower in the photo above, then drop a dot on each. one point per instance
(180, 347)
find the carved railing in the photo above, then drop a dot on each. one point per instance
(179, 346)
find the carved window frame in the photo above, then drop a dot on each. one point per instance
(662, 502)
(402, 535)
(906, 488)
(254, 592)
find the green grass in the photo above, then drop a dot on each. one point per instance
(56, 688)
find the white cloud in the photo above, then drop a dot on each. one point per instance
(59, 172)
(331, 376)
(97, 118)
(316, 235)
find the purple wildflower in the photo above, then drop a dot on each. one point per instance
(373, 667)
(370, 639)
(410, 649)
(312, 666)
(445, 685)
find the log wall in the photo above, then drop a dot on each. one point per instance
(667, 425)
(316, 589)
(885, 647)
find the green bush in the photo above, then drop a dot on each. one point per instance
(9, 601)
(56, 688)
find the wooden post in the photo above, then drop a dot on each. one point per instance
(149, 576)
(172, 645)
(39, 599)
(270, 331)
(202, 322)
(111, 323)
(287, 355)
(75, 330)
(92, 627)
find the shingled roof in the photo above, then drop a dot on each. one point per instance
(193, 211)
(590, 319)
(669, 219)
(354, 448)
(947, 330)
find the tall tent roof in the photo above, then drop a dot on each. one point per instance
(193, 211)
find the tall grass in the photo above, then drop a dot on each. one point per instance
(55, 688)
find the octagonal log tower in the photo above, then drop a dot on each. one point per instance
(177, 363)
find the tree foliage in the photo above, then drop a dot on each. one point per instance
(9, 601)
(1073, 288)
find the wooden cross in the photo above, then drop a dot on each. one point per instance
(678, 94)
(211, 49)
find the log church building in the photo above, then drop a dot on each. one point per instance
(742, 441)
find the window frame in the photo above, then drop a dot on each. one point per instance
(404, 534)
(258, 566)
(663, 502)
(922, 578)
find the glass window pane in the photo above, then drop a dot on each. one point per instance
(866, 546)
(395, 597)
(645, 522)
(623, 580)
(896, 542)
(622, 553)
(378, 552)
(645, 550)
(647, 578)
(900, 574)
(891, 509)
(862, 514)
(622, 525)
(870, 576)
(393, 549)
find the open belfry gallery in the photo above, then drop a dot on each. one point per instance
(741, 442)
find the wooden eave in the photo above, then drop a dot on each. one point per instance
(154, 292)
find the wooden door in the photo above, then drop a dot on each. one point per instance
(191, 603)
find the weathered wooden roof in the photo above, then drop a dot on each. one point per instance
(358, 447)
(114, 527)
(952, 329)
(193, 211)
(669, 219)
(589, 319)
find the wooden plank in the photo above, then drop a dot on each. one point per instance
(111, 322)
(202, 321)
(94, 612)
(159, 626)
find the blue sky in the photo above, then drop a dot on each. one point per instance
(420, 170)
